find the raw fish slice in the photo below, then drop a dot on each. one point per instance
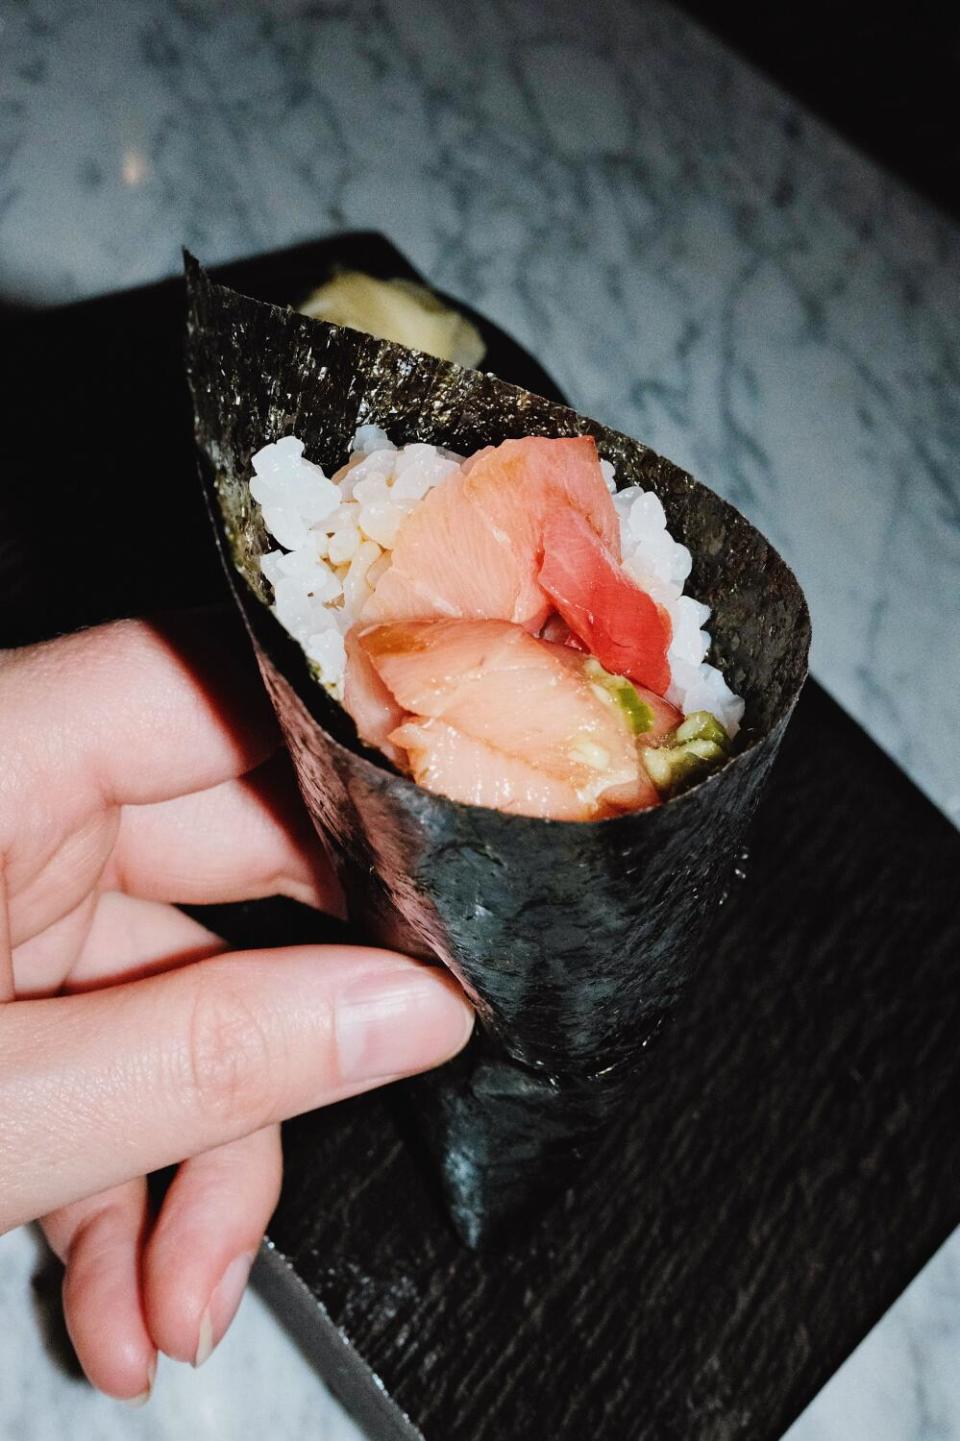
(448, 562)
(472, 547)
(520, 484)
(636, 795)
(527, 698)
(453, 764)
(666, 717)
(557, 630)
(374, 710)
(535, 476)
(617, 621)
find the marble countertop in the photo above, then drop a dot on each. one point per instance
(696, 260)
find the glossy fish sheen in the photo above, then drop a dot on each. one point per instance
(608, 612)
(472, 547)
(575, 939)
(537, 738)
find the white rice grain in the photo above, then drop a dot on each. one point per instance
(662, 567)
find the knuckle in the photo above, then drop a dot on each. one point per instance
(229, 1059)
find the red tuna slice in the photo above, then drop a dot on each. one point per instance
(471, 549)
(521, 698)
(617, 621)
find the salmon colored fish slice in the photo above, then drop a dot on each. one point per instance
(666, 717)
(447, 562)
(472, 547)
(520, 483)
(374, 711)
(617, 621)
(494, 681)
(521, 697)
(447, 761)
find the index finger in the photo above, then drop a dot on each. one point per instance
(144, 711)
(118, 1082)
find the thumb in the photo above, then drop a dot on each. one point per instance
(100, 1087)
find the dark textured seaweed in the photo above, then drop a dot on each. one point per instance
(574, 939)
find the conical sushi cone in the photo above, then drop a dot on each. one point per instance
(574, 940)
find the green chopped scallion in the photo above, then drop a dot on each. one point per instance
(674, 767)
(639, 715)
(702, 725)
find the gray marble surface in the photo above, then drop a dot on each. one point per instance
(256, 1385)
(696, 260)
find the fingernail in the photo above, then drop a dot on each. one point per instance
(222, 1306)
(399, 1023)
(144, 1396)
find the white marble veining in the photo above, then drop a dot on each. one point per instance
(696, 260)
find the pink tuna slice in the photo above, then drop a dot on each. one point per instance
(534, 721)
(616, 621)
(472, 547)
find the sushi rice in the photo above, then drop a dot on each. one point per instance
(337, 535)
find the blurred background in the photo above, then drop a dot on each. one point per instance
(727, 230)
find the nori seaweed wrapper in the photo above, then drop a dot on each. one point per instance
(573, 939)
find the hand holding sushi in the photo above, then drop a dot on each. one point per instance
(128, 1040)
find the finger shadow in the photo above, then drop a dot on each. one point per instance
(275, 921)
(213, 647)
(276, 791)
(46, 1286)
(156, 966)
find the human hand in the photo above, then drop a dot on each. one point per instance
(138, 768)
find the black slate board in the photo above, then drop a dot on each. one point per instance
(792, 1163)
(106, 515)
(794, 1159)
